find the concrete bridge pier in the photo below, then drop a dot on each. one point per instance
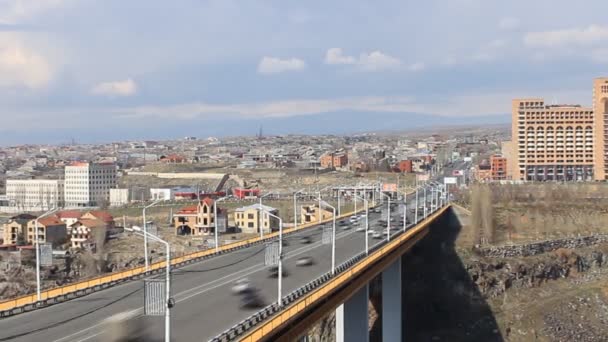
(392, 303)
(352, 322)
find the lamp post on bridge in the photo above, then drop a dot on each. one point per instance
(36, 236)
(295, 208)
(280, 275)
(333, 236)
(388, 217)
(215, 232)
(366, 223)
(147, 261)
(168, 299)
(259, 219)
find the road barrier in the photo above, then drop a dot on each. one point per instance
(60, 294)
(263, 323)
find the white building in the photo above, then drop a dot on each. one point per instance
(119, 197)
(89, 184)
(34, 194)
(162, 194)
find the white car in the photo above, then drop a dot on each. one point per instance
(370, 232)
(241, 286)
(377, 235)
(360, 229)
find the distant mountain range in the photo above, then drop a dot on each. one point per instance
(325, 123)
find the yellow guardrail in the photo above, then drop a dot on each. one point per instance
(300, 305)
(82, 285)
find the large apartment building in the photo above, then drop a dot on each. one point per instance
(34, 194)
(560, 142)
(89, 184)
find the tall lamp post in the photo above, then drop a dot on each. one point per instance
(424, 189)
(295, 208)
(416, 208)
(169, 302)
(333, 237)
(38, 295)
(215, 221)
(147, 262)
(259, 218)
(366, 223)
(388, 217)
(280, 277)
(405, 211)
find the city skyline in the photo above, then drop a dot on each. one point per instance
(118, 71)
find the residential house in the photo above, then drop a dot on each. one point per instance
(311, 213)
(50, 229)
(16, 226)
(199, 219)
(87, 232)
(69, 217)
(249, 220)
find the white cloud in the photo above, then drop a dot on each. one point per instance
(336, 56)
(272, 65)
(22, 66)
(14, 11)
(417, 67)
(377, 60)
(575, 36)
(127, 87)
(509, 23)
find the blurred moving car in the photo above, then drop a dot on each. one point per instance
(241, 286)
(252, 300)
(273, 272)
(306, 239)
(360, 229)
(377, 235)
(305, 261)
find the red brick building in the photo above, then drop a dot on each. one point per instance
(334, 160)
(498, 166)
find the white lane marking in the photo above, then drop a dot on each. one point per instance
(240, 274)
(90, 337)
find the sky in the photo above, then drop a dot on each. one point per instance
(116, 70)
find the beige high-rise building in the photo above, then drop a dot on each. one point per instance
(600, 108)
(552, 142)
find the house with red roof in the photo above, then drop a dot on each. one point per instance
(88, 231)
(199, 219)
(50, 230)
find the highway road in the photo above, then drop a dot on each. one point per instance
(205, 305)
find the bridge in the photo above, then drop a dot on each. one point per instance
(206, 309)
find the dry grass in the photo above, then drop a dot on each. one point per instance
(537, 211)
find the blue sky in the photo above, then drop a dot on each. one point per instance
(72, 66)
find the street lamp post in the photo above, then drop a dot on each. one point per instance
(259, 217)
(295, 208)
(366, 223)
(424, 212)
(147, 261)
(215, 230)
(333, 238)
(405, 212)
(168, 300)
(280, 277)
(388, 217)
(416, 207)
(38, 295)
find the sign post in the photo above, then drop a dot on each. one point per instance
(155, 302)
(46, 254)
(271, 254)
